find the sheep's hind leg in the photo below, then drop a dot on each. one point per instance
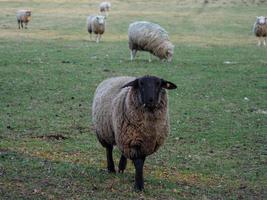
(133, 53)
(264, 41)
(18, 24)
(97, 38)
(149, 57)
(259, 41)
(111, 167)
(139, 178)
(122, 164)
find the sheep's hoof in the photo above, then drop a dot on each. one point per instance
(111, 171)
(121, 171)
(138, 188)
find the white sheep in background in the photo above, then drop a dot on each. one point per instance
(104, 7)
(147, 36)
(260, 30)
(96, 24)
(131, 113)
(23, 16)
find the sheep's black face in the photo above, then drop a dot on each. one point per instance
(28, 13)
(149, 90)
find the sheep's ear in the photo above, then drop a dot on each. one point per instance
(167, 85)
(133, 84)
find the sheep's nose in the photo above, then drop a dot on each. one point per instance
(150, 102)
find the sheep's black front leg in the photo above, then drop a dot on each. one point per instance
(139, 179)
(18, 24)
(122, 164)
(111, 167)
(21, 24)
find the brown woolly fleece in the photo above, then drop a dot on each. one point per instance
(25, 19)
(118, 119)
(98, 29)
(260, 30)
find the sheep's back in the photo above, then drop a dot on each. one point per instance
(146, 35)
(21, 15)
(90, 20)
(102, 107)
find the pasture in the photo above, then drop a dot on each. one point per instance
(217, 148)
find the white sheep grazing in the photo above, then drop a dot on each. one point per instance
(131, 113)
(96, 24)
(147, 36)
(23, 16)
(260, 30)
(104, 7)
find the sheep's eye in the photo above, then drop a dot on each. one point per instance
(141, 83)
(157, 83)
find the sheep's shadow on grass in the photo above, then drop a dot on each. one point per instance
(23, 175)
(141, 60)
(146, 65)
(39, 177)
(5, 26)
(93, 40)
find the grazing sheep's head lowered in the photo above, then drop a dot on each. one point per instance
(150, 90)
(261, 20)
(169, 52)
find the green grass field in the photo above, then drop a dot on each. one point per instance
(217, 148)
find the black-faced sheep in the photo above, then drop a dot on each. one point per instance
(104, 7)
(23, 16)
(147, 36)
(260, 30)
(131, 113)
(96, 24)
